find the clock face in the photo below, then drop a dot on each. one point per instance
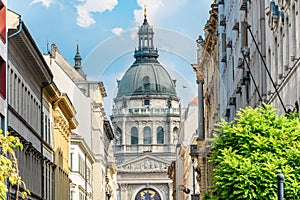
(147, 194)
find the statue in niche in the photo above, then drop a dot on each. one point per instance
(175, 135)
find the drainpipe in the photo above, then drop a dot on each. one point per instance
(19, 31)
(7, 92)
(201, 133)
(7, 77)
(85, 177)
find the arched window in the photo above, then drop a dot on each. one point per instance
(175, 135)
(119, 136)
(134, 135)
(147, 193)
(169, 103)
(160, 135)
(147, 135)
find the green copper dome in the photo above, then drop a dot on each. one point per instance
(146, 79)
(146, 76)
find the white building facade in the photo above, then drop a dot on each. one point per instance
(81, 165)
(283, 53)
(243, 76)
(146, 121)
(259, 54)
(87, 98)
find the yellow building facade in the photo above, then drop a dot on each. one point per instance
(62, 113)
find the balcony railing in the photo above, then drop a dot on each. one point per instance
(145, 111)
(142, 148)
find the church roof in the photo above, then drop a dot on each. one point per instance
(146, 76)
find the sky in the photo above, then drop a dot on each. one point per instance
(106, 32)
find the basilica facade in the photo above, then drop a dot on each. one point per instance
(145, 118)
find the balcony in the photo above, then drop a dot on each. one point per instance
(146, 111)
(222, 20)
(143, 148)
(243, 5)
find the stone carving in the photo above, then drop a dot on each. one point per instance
(144, 165)
(123, 187)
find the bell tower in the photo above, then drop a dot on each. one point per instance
(146, 51)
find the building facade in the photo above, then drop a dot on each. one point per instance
(58, 120)
(282, 53)
(146, 121)
(243, 75)
(208, 80)
(28, 74)
(87, 98)
(183, 168)
(258, 57)
(81, 165)
(64, 123)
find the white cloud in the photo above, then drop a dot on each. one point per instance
(152, 9)
(84, 18)
(45, 3)
(156, 10)
(117, 31)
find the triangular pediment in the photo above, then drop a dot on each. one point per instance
(145, 163)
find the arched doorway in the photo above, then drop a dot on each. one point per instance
(147, 194)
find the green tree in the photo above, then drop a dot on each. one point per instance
(9, 166)
(249, 152)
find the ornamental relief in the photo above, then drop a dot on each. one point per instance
(146, 165)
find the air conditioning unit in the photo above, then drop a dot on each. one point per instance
(222, 20)
(243, 5)
(293, 58)
(246, 78)
(246, 51)
(240, 63)
(232, 101)
(227, 114)
(193, 150)
(238, 90)
(236, 26)
(229, 44)
(223, 57)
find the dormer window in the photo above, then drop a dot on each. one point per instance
(146, 102)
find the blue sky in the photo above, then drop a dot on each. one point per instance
(106, 33)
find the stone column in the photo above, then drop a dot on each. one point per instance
(124, 191)
(170, 190)
(124, 132)
(154, 133)
(201, 176)
(141, 133)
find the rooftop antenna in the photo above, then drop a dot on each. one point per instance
(47, 44)
(48, 47)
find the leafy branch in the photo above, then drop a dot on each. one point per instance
(9, 166)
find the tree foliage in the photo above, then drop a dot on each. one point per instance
(9, 166)
(250, 151)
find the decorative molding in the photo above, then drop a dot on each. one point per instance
(145, 164)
